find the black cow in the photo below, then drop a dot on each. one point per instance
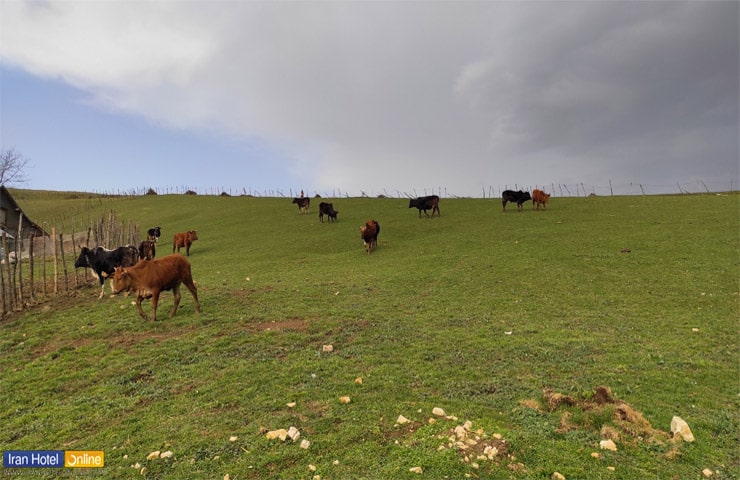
(153, 234)
(103, 262)
(303, 204)
(147, 250)
(327, 209)
(512, 196)
(430, 202)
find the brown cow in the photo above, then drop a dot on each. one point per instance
(369, 234)
(184, 240)
(540, 197)
(148, 278)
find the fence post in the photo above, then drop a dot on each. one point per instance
(64, 264)
(30, 265)
(19, 259)
(54, 249)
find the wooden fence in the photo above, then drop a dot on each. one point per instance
(36, 268)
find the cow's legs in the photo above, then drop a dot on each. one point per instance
(194, 292)
(176, 292)
(102, 288)
(139, 298)
(155, 301)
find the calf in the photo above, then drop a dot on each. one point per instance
(369, 234)
(540, 198)
(102, 261)
(512, 196)
(147, 250)
(153, 234)
(151, 277)
(303, 204)
(327, 209)
(430, 202)
(184, 239)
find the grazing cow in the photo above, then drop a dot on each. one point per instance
(147, 250)
(369, 234)
(103, 261)
(149, 278)
(430, 202)
(303, 204)
(327, 209)
(512, 196)
(153, 234)
(184, 239)
(540, 198)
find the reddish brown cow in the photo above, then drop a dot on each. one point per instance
(148, 278)
(184, 240)
(540, 198)
(369, 234)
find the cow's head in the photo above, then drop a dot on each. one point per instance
(121, 280)
(193, 235)
(84, 259)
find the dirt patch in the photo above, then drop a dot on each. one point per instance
(625, 421)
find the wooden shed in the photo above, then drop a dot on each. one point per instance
(10, 218)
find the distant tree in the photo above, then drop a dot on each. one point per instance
(12, 167)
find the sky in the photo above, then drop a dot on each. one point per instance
(457, 98)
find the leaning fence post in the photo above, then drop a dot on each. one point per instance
(19, 259)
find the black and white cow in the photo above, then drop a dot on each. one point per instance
(515, 197)
(327, 209)
(153, 234)
(103, 261)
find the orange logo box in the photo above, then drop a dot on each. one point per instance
(84, 458)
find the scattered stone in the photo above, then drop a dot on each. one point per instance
(438, 412)
(312, 468)
(233, 438)
(166, 454)
(610, 468)
(557, 476)
(608, 445)
(143, 471)
(153, 455)
(227, 477)
(695, 330)
(680, 427)
(293, 433)
(327, 348)
(416, 470)
(290, 404)
(305, 444)
(401, 420)
(344, 399)
(282, 434)
(707, 473)
(596, 455)
(358, 380)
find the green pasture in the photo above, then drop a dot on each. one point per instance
(477, 312)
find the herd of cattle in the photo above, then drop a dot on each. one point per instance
(137, 270)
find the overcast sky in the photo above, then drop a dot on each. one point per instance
(462, 98)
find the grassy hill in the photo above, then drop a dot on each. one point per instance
(507, 320)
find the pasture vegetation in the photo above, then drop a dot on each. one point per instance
(477, 312)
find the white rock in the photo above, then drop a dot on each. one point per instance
(438, 412)
(557, 476)
(401, 420)
(282, 434)
(608, 445)
(153, 455)
(344, 399)
(305, 444)
(166, 454)
(680, 427)
(707, 473)
(416, 470)
(293, 433)
(327, 348)
(233, 438)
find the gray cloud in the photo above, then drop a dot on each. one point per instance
(412, 95)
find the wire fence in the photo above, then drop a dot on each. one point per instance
(579, 189)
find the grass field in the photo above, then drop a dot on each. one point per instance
(477, 312)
